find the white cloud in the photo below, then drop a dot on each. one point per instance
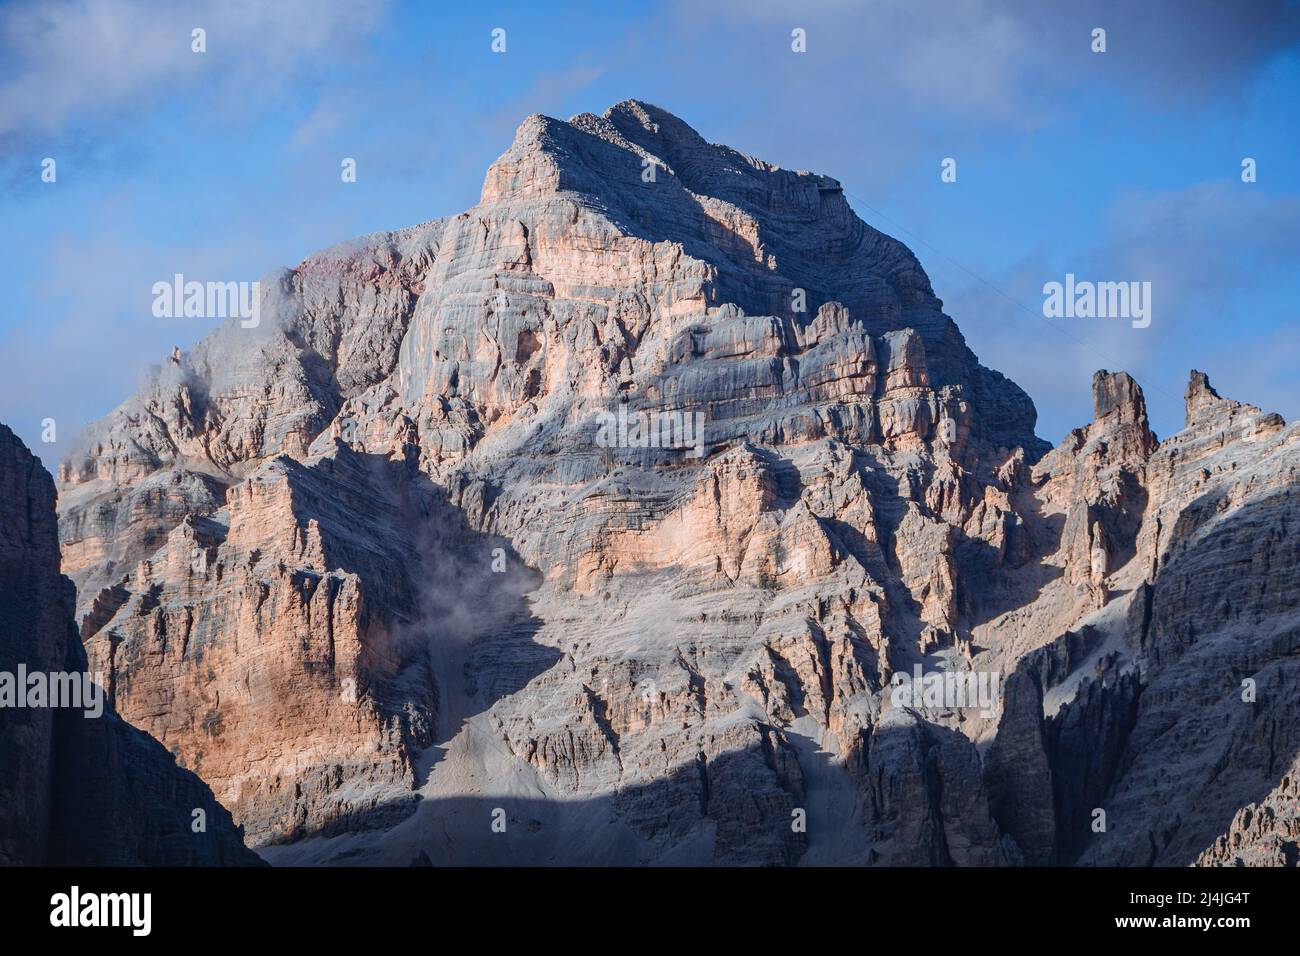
(83, 60)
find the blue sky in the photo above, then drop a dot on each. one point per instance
(1123, 165)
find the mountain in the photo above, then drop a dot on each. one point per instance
(400, 576)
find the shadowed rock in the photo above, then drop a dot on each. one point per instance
(76, 789)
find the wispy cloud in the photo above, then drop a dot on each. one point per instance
(1220, 258)
(919, 75)
(90, 61)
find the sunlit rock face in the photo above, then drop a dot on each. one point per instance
(602, 522)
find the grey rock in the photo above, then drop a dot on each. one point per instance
(656, 653)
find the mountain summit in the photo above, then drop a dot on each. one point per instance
(605, 521)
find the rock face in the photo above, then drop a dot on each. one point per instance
(613, 519)
(78, 786)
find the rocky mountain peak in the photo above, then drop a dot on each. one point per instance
(638, 485)
(1116, 393)
(1120, 412)
(1200, 395)
(746, 234)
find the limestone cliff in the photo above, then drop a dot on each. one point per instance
(377, 572)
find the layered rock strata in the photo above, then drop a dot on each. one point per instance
(383, 573)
